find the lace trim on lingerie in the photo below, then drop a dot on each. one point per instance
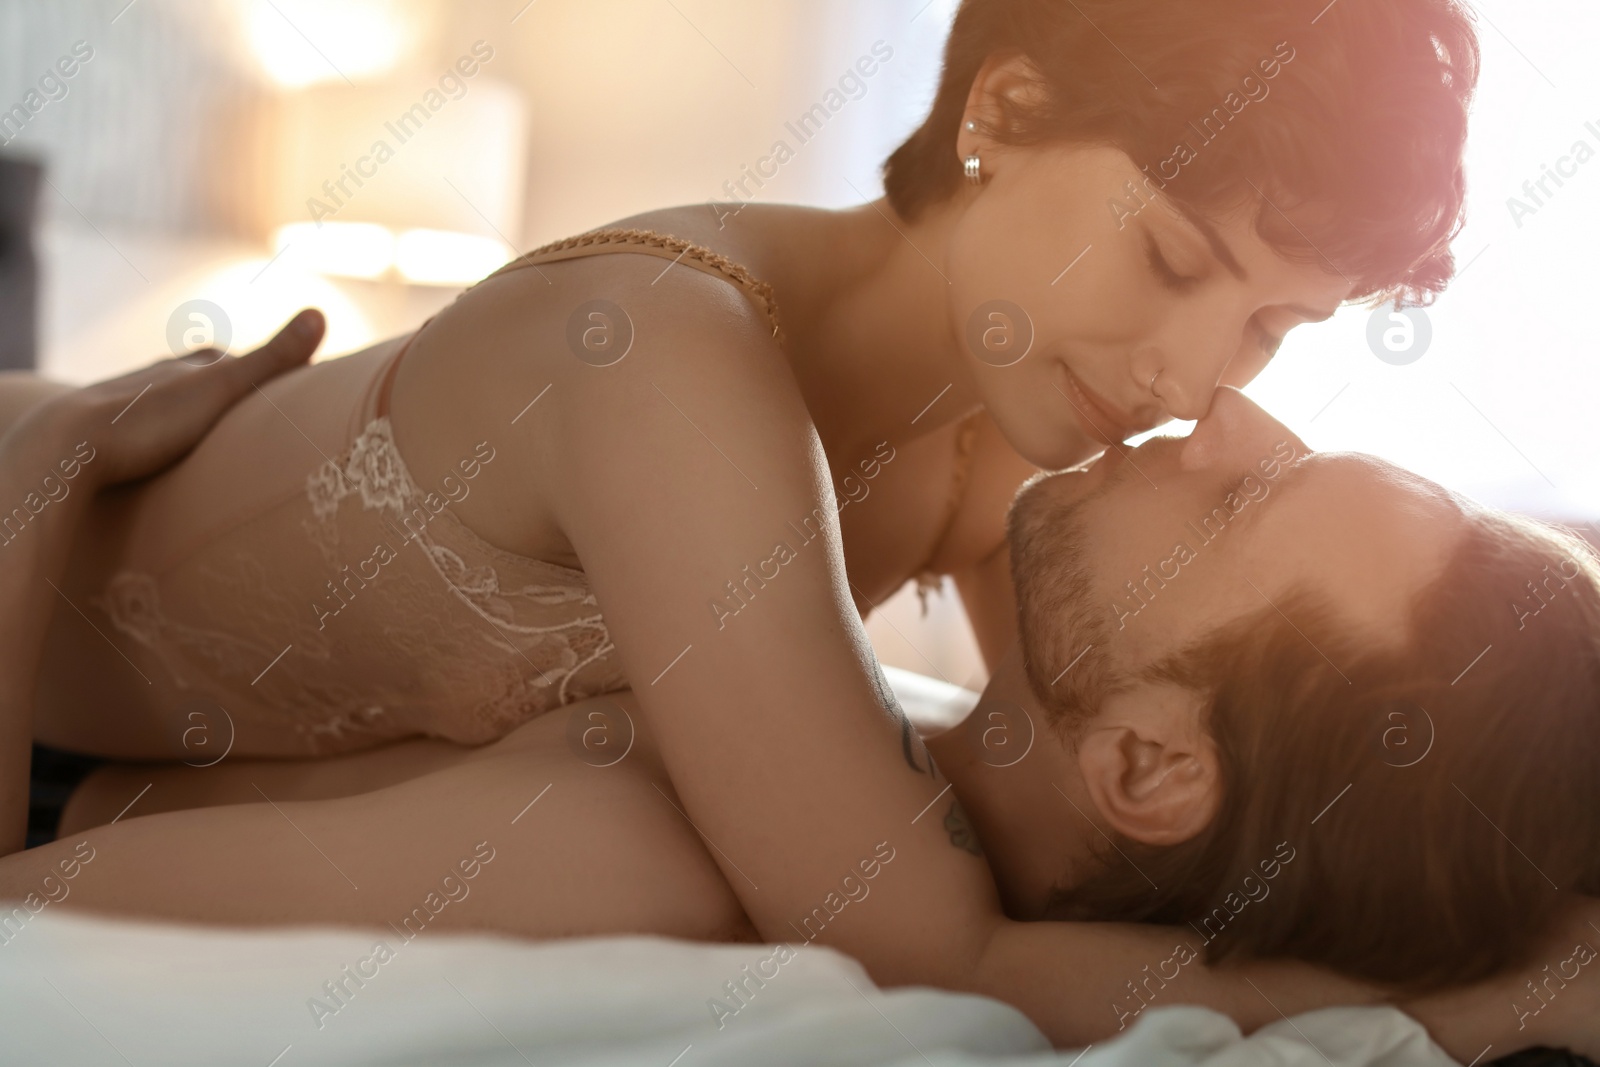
(373, 469)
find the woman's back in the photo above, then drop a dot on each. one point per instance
(290, 589)
(296, 586)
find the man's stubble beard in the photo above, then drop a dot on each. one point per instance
(1064, 634)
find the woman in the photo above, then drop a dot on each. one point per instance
(1105, 266)
(258, 574)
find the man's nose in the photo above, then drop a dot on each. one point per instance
(1234, 431)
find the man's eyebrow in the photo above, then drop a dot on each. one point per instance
(1291, 480)
(1290, 476)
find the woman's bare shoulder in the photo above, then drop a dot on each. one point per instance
(560, 362)
(592, 312)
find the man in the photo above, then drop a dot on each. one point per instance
(1320, 666)
(1219, 634)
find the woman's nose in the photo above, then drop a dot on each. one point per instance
(1184, 397)
(1233, 431)
(1193, 350)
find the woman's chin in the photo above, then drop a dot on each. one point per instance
(1040, 432)
(1056, 448)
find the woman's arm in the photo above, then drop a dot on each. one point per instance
(692, 484)
(52, 461)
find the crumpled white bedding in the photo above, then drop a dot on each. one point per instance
(77, 989)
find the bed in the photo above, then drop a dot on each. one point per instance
(77, 989)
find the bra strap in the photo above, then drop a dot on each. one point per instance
(666, 246)
(378, 397)
(598, 242)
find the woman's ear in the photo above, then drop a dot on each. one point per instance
(1149, 765)
(1002, 80)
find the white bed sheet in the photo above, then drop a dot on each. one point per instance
(77, 989)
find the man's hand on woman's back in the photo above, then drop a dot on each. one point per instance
(53, 459)
(143, 421)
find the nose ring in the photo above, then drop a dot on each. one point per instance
(1153, 379)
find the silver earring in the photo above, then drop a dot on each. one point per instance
(971, 125)
(974, 169)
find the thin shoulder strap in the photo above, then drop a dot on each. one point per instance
(650, 242)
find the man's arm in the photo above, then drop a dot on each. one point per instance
(52, 461)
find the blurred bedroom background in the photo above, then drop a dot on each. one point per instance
(171, 156)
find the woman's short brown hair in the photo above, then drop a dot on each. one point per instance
(1355, 141)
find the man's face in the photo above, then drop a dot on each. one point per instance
(1146, 552)
(1123, 565)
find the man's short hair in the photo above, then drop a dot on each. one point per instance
(1435, 795)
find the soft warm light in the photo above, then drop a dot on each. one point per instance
(260, 295)
(301, 42)
(358, 165)
(439, 257)
(349, 249)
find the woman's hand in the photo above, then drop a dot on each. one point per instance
(144, 421)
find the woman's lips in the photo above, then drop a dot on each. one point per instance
(1104, 422)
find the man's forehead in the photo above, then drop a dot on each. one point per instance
(1362, 534)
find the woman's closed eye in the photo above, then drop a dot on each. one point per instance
(1169, 277)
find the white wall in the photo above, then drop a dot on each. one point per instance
(1502, 405)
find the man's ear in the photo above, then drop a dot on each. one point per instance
(1149, 765)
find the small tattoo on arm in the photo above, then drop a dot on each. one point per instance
(959, 827)
(910, 743)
